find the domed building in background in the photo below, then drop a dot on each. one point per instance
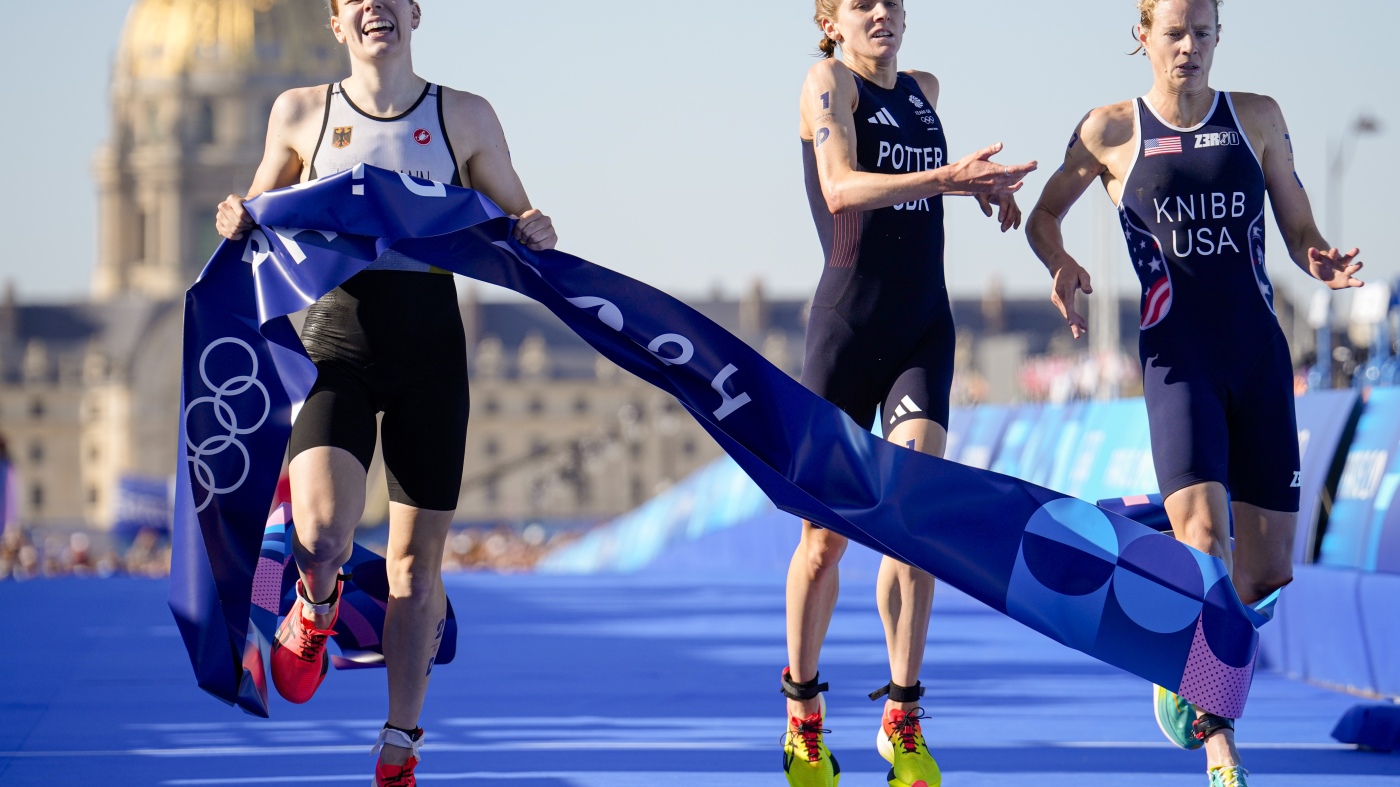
(89, 392)
(193, 85)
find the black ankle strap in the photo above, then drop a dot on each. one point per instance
(801, 691)
(900, 693)
(1208, 724)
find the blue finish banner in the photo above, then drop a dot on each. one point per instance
(1093, 580)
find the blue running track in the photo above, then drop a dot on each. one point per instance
(612, 682)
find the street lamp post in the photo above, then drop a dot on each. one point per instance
(1339, 157)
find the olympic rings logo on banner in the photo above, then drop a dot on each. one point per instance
(227, 417)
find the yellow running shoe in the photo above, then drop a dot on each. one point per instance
(806, 760)
(1228, 776)
(901, 742)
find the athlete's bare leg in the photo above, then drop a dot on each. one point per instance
(328, 499)
(904, 593)
(1263, 551)
(417, 612)
(812, 586)
(1261, 562)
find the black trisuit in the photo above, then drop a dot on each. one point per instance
(881, 330)
(1217, 373)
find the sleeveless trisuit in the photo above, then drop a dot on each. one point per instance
(1217, 374)
(390, 339)
(881, 327)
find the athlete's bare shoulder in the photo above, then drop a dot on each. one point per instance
(831, 76)
(1261, 119)
(471, 122)
(1256, 106)
(1108, 128)
(928, 84)
(299, 106)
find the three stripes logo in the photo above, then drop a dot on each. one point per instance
(905, 407)
(883, 118)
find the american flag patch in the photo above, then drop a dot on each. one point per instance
(1161, 146)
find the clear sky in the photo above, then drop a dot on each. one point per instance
(663, 136)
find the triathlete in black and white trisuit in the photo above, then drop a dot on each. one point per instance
(370, 359)
(389, 340)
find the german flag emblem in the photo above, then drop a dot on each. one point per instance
(341, 136)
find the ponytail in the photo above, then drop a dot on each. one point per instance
(826, 9)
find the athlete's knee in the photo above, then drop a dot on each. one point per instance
(822, 550)
(1200, 531)
(323, 545)
(414, 579)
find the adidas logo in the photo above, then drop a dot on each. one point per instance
(883, 118)
(905, 407)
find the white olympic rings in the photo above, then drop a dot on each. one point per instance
(202, 472)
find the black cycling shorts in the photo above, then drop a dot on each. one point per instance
(391, 342)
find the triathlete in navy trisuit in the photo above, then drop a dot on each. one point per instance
(880, 336)
(389, 340)
(1189, 168)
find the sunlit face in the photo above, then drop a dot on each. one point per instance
(868, 28)
(1181, 42)
(376, 28)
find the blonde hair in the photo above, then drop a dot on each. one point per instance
(826, 9)
(1148, 10)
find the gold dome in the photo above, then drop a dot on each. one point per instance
(170, 38)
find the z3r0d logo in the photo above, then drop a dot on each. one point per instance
(220, 463)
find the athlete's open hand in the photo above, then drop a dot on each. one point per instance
(976, 173)
(1008, 213)
(233, 220)
(1335, 269)
(536, 231)
(1069, 278)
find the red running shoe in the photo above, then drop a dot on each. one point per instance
(397, 775)
(299, 660)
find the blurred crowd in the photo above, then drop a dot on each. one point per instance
(26, 555)
(501, 549)
(1058, 379)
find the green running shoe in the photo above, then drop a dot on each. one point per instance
(901, 742)
(1228, 776)
(806, 760)
(1174, 718)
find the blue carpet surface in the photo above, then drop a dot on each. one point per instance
(668, 678)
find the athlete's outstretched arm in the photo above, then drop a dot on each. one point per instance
(1008, 213)
(281, 165)
(829, 99)
(1082, 167)
(1292, 208)
(484, 158)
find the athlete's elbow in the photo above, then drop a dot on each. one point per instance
(838, 201)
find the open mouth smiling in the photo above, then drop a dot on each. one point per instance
(378, 26)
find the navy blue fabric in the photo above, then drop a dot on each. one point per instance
(881, 327)
(1019, 548)
(1217, 374)
(1375, 727)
